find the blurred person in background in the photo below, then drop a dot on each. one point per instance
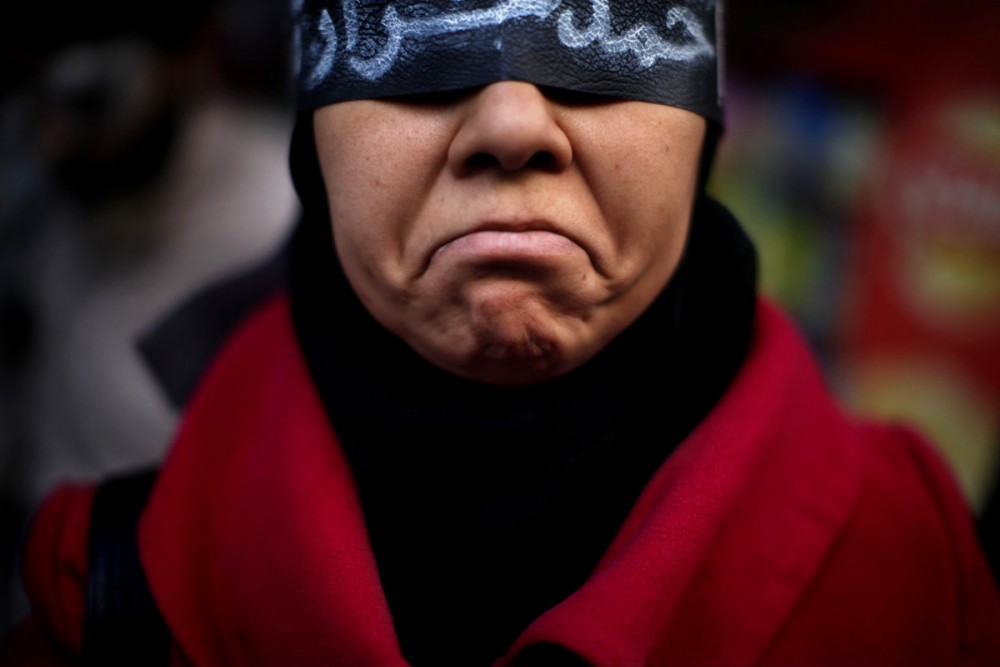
(143, 154)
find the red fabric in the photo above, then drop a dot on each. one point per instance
(779, 533)
(55, 576)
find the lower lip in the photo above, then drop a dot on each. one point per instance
(500, 245)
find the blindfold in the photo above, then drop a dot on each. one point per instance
(658, 51)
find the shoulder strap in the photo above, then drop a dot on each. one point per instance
(122, 625)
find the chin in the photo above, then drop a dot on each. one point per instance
(516, 362)
(513, 371)
(502, 332)
(514, 350)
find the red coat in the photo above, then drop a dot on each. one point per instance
(779, 533)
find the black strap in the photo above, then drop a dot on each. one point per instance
(122, 625)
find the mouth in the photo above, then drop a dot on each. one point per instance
(509, 243)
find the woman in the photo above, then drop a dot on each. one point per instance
(520, 403)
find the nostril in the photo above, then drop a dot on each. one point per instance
(481, 162)
(541, 160)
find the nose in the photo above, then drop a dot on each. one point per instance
(510, 125)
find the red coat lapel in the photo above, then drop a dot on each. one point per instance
(254, 541)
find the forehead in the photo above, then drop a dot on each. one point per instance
(650, 50)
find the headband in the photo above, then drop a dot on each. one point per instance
(661, 51)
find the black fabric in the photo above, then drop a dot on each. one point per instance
(488, 505)
(122, 625)
(548, 655)
(988, 523)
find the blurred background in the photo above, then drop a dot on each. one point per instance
(862, 153)
(143, 155)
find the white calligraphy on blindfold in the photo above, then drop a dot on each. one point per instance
(642, 40)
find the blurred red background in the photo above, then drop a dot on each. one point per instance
(862, 151)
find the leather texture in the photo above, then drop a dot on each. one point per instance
(649, 50)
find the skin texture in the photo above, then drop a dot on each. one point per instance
(507, 234)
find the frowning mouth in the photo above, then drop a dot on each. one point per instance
(533, 243)
(493, 242)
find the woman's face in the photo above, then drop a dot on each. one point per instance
(507, 234)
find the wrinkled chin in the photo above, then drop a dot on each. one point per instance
(519, 344)
(503, 334)
(530, 358)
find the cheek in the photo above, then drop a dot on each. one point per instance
(357, 192)
(646, 195)
(646, 189)
(378, 182)
(354, 214)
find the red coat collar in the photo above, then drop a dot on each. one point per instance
(257, 553)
